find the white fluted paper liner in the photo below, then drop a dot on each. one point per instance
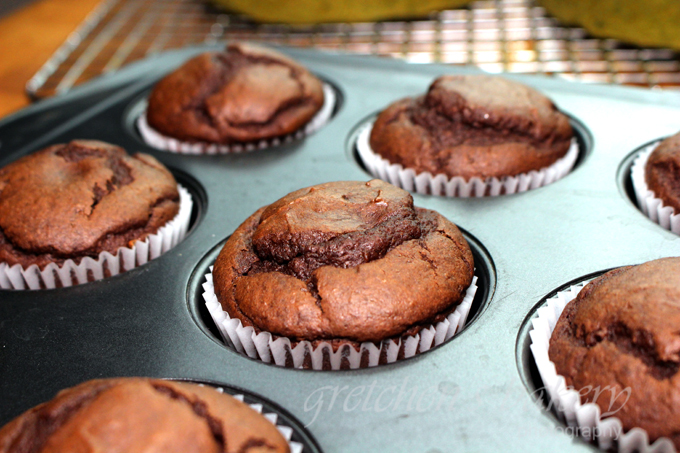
(648, 203)
(566, 401)
(90, 269)
(443, 185)
(278, 350)
(154, 138)
(285, 430)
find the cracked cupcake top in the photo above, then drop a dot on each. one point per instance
(79, 199)
(622, 332)
(343, 260)
(141, 415)
(662, 172)
(243, 94)
(473, 126)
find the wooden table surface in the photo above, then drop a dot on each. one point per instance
(28, 38)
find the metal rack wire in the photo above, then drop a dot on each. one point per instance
(497, 36)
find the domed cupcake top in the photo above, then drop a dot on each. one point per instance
(343, 260)
(138, 414)
(243, 94)
(81, 198)
(620, 337)
(473, 126)
(662, 172)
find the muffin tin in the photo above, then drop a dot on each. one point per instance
(477, 392)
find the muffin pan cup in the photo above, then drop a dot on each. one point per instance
(473, 393)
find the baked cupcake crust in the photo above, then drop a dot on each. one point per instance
(243, 94)
(473, 126)
(621, 332)
(343, 260)
(78, 199)
(138, 414)
(662, 172)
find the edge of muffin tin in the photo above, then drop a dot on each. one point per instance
(485, 271)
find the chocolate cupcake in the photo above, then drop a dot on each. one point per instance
(138, 414)
(221, 101)
(656, 180)
(662, 172)
(341, 264)
(616, 346)
(504, 136)
(80, 211)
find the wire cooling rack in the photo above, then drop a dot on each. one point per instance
(501, 35)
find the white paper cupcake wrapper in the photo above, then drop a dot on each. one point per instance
(285, 430)
(566, 401)
(163, 142)
(278, 350)
(651, 206)
(443, 185)
(90, 269)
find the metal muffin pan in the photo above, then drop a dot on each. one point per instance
(473, 393)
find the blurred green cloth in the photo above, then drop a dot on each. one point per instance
(653, 23)
(319, 11)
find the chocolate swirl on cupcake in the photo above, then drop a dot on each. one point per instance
(662, 172)
(617, 344)
(79, 199)
(243, 94)
(138, 414)
(473, 126)
(349, 261)
(84, 199)
(470, 135)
